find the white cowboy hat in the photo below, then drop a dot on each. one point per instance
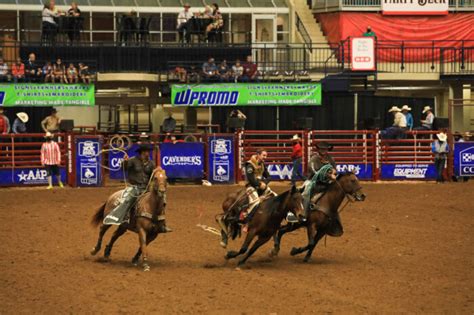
(405, 107)
(467, 134)
(48, 135)
(442, 136)
(295, 137)
(426, 108)
(394, 109)
(23, 117)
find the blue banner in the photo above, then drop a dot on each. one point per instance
(28, 176)
(408, 171)
(280, 171)
(361, 170)
(221, 159)
(116, 159)
(183, 160)
(88, 162)
(464, 158)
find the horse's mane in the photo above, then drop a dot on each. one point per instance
(271, 202)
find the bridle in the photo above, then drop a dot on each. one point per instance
(351, 197)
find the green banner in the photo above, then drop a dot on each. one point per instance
(43, 94)
(246, 94)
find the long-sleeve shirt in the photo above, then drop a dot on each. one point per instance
(18, 126)
(183, 17)
(317, 161)
(4, 124)
(428, 122)
(409, 119)
(169, 124)
(48, 16)
(50, 153)
(297, 151)
(138, 171)
(18, 70)
(400, 120)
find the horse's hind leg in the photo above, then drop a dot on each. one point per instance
(119, 232)
(313, 244)
(278, 235)
(311, 229)
(103, 229)
(232, 254)
(260, 241)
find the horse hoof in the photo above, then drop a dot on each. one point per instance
(135, 262)
(94, 251)
(306, 260)
(294, 251)
(273, 253)
(223, 244)
(146, 268)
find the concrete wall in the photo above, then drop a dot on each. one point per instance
(82, 116)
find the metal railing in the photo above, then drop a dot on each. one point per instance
(375, 5)
(302, 30)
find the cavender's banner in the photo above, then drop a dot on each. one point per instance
(241, 94)
(34, 94)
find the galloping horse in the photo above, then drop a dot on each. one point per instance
(267, 219)
(147, 221)
(324, 217)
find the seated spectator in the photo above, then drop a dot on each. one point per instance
(169, 124)
(59, 71)
(193, 75)
(181, 74)
(397, 130)
(4, 123)
(4, 74)
(84, 74)
(18, 71)
(48, 73)
(209, 70)
(250, 70)
(33, 72)
(465, 137)
(72, 75)
(369, 33)
(218, 21)
(427, 123)
(224, 73)
(237, 71)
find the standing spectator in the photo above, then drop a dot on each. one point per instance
(76, 21)
(51, 159)
(72, 75)
(236, 120)
(182, 21)
(4, 123)
(440, 149)
(209, 70)
(48, 73)
(397, 130)
(250, 70)
(169, 124)
(369, 33)
(32, 71)
(297, 158)
(237, 71)
(51, 123)
(84, 74)
(321, 158)
(19, 125)
(466, 137)
(224, 73)
(408, 116)
(427, 123)
(59, 71)
(4, 75)
(18, 71)
(50, 27)
(462, 138)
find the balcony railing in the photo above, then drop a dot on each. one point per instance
(375, 5)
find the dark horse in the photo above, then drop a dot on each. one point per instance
(267, 219)
(324, 217)
(148, 220)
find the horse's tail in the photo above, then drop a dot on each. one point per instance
(98, 216)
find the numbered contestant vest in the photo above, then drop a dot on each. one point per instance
(258, 168)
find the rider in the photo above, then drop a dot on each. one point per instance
(321, 158)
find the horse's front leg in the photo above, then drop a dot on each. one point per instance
(278, 235)
(311, 231)
(149, 238)
(103, 229)
(312, 245)
(119, 232)
(143, 243)
(260, 241)
(232, 254)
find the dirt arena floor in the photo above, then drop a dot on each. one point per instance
(408, 248)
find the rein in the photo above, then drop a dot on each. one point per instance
(346, 195)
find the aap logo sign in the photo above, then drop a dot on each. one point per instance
(466, 162)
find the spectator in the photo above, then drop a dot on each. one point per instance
(72, 75)
(408, 116)
(59, 71)
(369, 33)
(466, 137)
(4, 123)
(32, 71)
(51, 123)
(84, 74)
(440, 149)
(223, 70)
(48, 73)
(216, 16)
(181, 73)
(236, 120)
(427, 123)
(75, 25)
(51, 159)
(18, 71)
(398, 128)
(50, 27)
(209, 70)
(458, 137)
(4, 74)
(19, 125)
(193, 74)
(169, 124)
(129, 26)
(171, 139)
(237, 71)
(182, 21)
(250, 70)
(297, 158)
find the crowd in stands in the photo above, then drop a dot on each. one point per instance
(403, 121)
(210, 71)
(32, 71)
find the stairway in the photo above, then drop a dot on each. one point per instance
(307, 18)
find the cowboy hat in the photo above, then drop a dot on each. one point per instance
(442, 136)
(23, 117)
(144, 135)
(296, 137)
(324, 145)
(467, 134)
(143, 148)
(426, 108)
(48, 135)
(394, 109)
(405, 107)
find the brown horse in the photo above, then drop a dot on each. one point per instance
(267, 219)
(324, 217)
(147, 221)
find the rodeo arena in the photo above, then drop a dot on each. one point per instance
(236, 156)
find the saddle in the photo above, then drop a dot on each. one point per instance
(335, 225)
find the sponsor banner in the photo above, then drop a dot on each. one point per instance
(415, 7)
(88, 162)
(281, 171)
(464, 158)
(221, 159)
(28, 176)
(182, 160)
(362, 53)
(116, 159)
(362, 171)
(44, 94)
(407, 171)
(241, 94)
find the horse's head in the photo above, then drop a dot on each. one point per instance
(295, 204)
(351, 186)
(159, 181)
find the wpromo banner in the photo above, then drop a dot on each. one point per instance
(281, 171)
(415, 7)
(88, 162)
(242, 94)
(408, 171)
(464, 158)
(44, 94)
(363, 53)
(28, 176)
(116, 160)
(284, 171)
(221, 159)
(183, 160)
